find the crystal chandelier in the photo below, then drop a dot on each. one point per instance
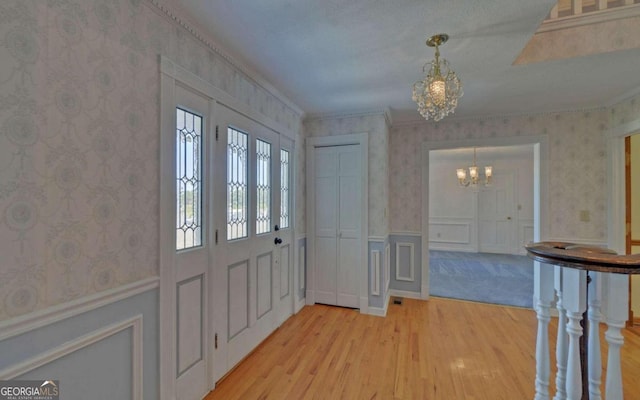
(438, 92)
(474, 176)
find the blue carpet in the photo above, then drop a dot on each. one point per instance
(489, 278)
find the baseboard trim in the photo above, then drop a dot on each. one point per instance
(25, 323)
(298, 304)
(381, 311)
(135, 323)
(405, 294)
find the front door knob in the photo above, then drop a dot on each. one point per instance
(277, 240)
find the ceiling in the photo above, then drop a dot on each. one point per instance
(347, 56)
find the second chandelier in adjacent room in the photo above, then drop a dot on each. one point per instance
(474, 174)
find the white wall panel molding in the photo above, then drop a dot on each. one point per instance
(410, 248)
(452, 231)
(525, 234)
(406, 233)
(134, 323)
(50, 315)
(378, 239)
(387, 268)
(375, 272)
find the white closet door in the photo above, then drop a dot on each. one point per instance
(326, 227)
(349, 225)
(337, 224)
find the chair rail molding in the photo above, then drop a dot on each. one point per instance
(50, 315)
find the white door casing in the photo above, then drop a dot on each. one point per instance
(326, 226)
(338, 241)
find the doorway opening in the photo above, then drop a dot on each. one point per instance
(466, 227)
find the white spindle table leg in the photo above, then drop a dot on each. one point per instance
(594, 355)
(616, 312)
(562, 342)
(543, 297)
(574, 292)
(542, 352)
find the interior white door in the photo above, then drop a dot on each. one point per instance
(192, 244)
(337, 187)
(247, 272)
(496, 212)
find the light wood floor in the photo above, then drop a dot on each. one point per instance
(436, 349)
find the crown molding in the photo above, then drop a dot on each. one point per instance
(386, 113)
(413, 122)
(628, 95)
(174, 14)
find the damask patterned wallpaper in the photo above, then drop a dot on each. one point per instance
(79, 137)
(377, 128)
(577, 151)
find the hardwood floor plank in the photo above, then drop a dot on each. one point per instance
(436, 349)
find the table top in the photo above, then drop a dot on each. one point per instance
(590, 258)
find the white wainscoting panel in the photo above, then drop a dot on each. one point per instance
(458, 232)
(387, 267)
(238, 301)
(285, 269)
(190, 300)
(405, 251)
(303, 267)
(134, 323)
(375, 275)
(525, 234)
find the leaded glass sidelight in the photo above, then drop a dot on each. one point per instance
(263, 187)
(284, 188)
(188, 179)
(237, 193)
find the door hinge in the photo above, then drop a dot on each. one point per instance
(217, 133)
(215, 341)
(216, 237)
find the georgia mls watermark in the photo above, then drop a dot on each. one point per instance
(29, 390)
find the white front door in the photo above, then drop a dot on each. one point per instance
(496, 215)
(285, 230)
(337, 247)
(249, 276)
(185, 223)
